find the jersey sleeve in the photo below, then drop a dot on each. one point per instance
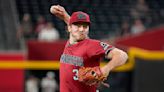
(97, 48)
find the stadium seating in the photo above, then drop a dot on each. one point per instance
(106, 15)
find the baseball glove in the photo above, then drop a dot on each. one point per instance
(91, 75)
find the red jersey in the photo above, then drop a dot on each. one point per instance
(87, 53)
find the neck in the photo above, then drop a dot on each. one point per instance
(72, 40)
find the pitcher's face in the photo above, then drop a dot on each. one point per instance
(79, 31)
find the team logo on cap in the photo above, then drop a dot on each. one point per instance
(81, 16)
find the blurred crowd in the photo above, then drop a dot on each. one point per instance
(46, 84)
(140, 15)
(135, 21)
(42, 30)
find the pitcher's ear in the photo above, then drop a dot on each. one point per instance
(68, 28)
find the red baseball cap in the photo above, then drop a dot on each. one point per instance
(79, 17)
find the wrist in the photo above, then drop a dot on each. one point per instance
(105, 70)
(66, 17)
(108, 68)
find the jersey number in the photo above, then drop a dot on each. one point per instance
(76, 74)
